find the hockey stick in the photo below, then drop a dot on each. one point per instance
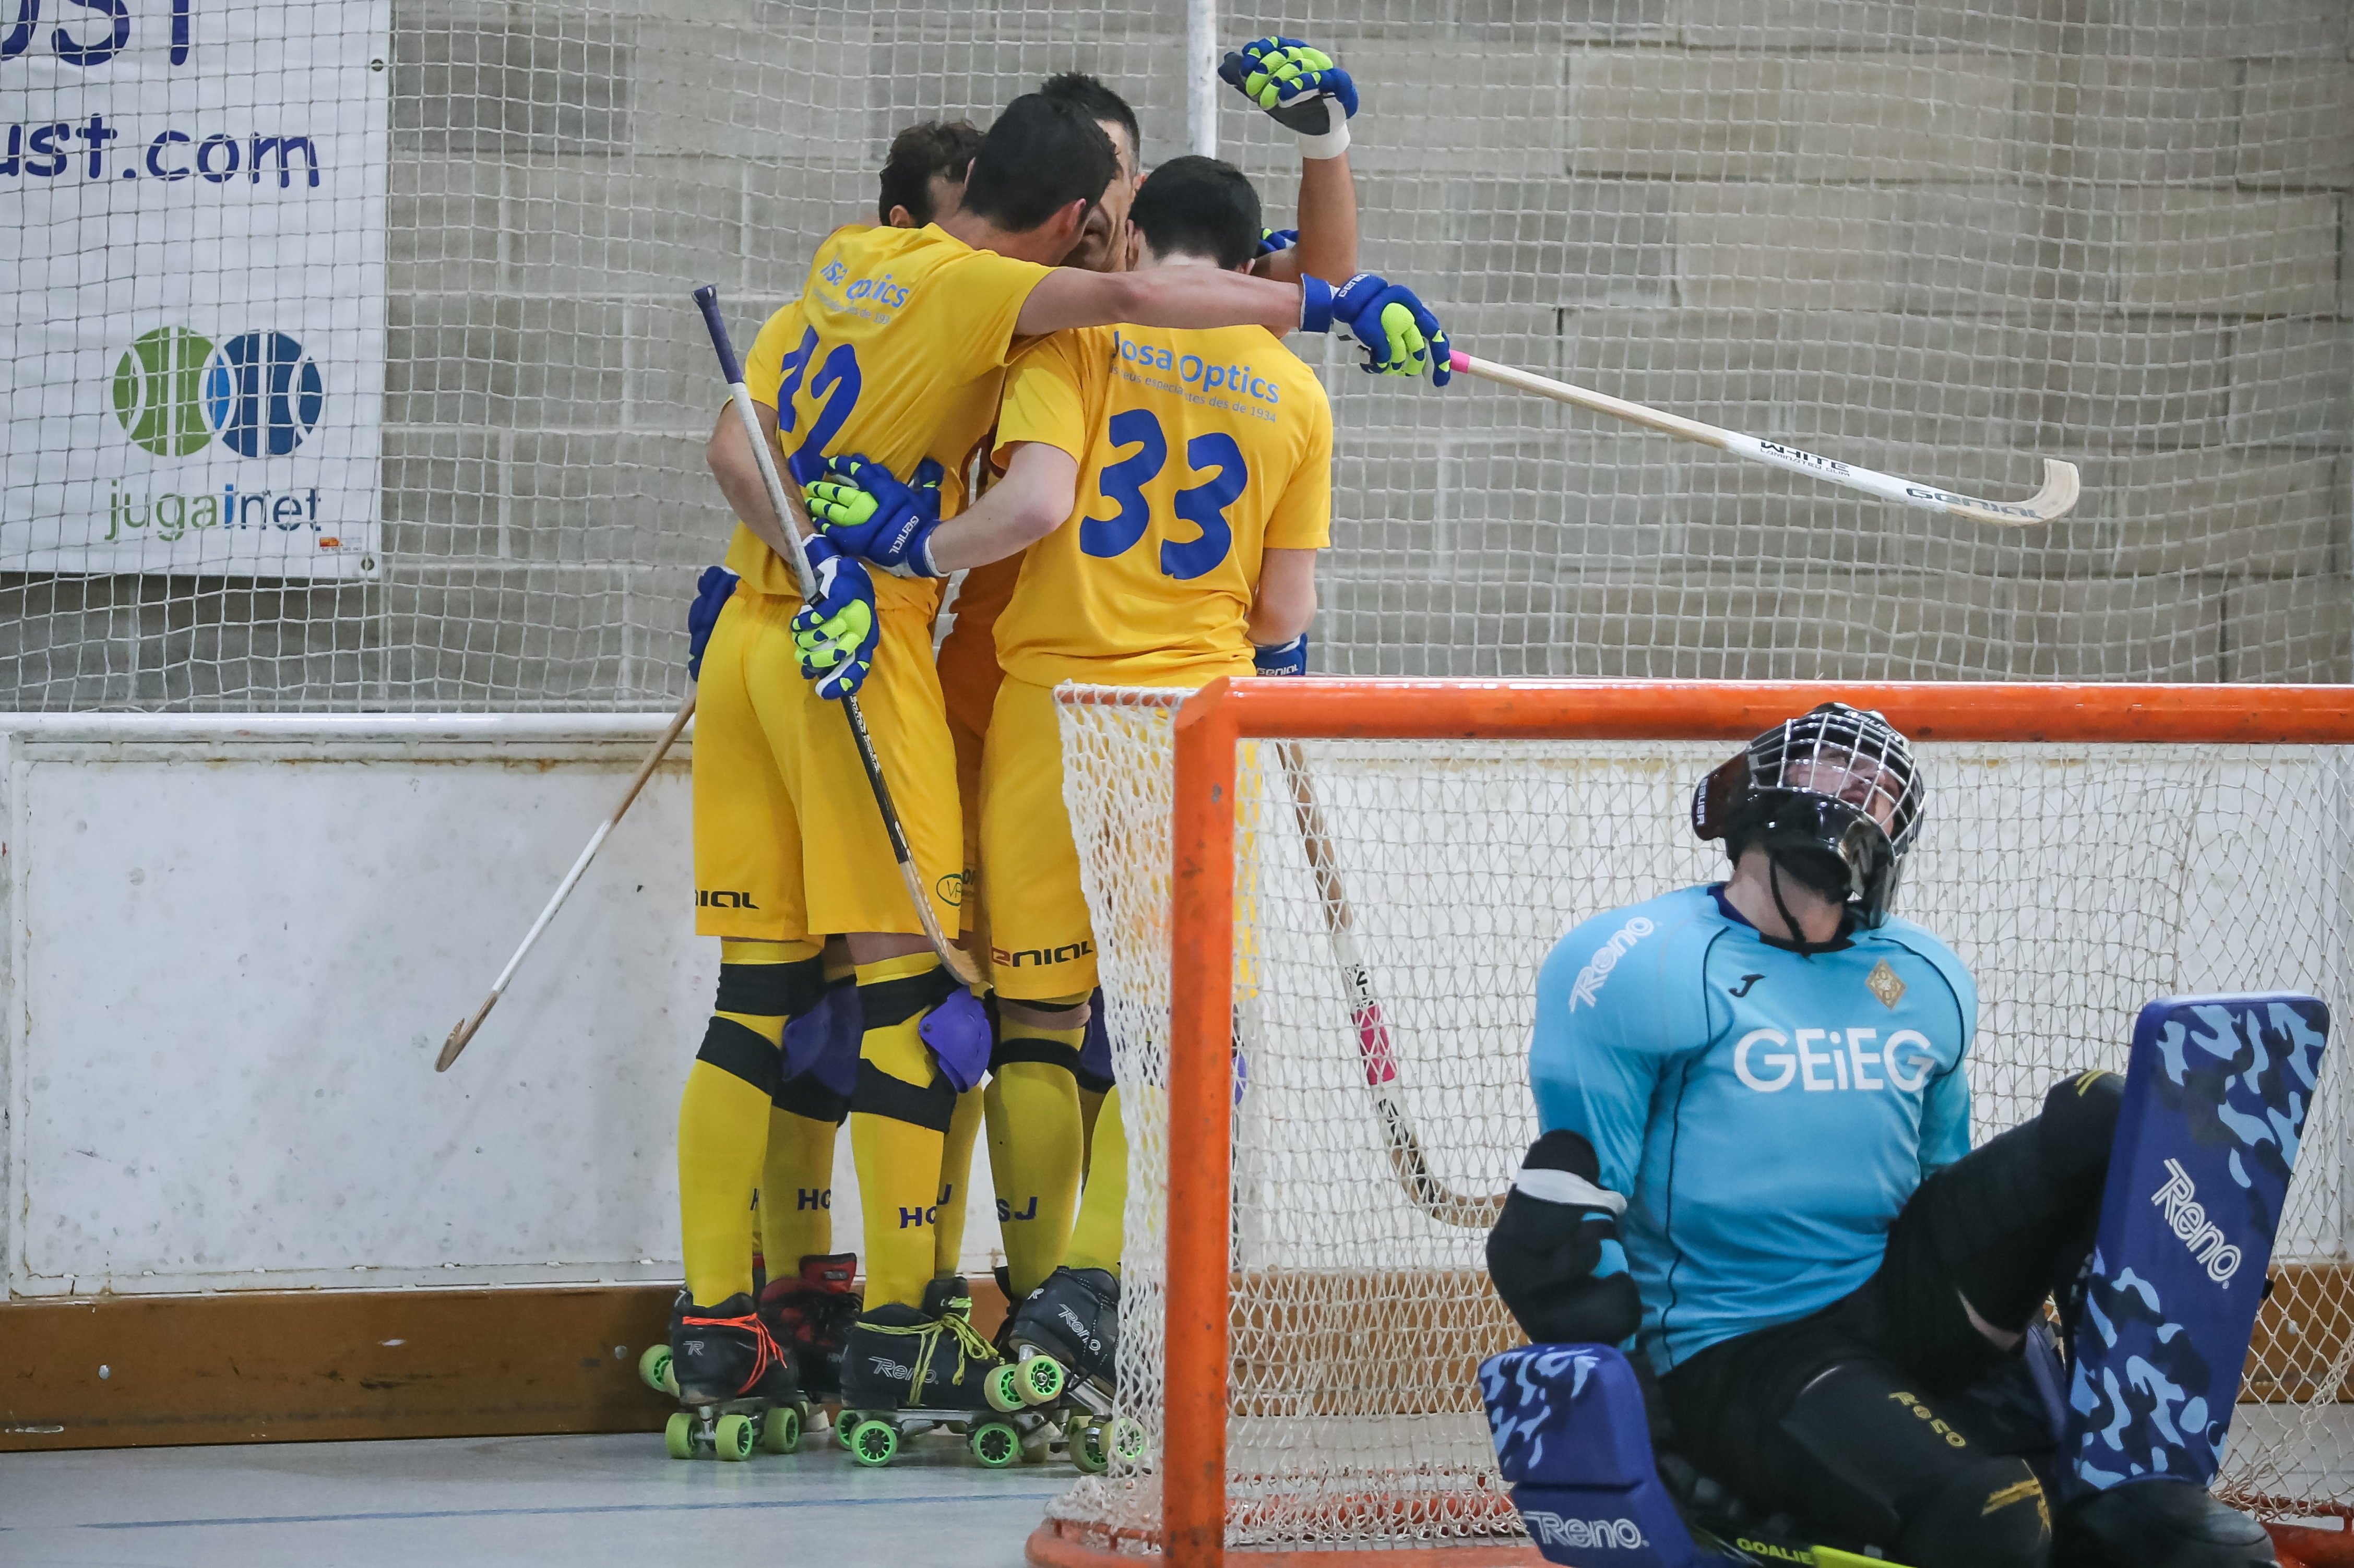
(466, 1027)
(2055, 499)
(1431, 1195)
(953, 957)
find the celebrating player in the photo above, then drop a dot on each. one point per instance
(1755, 1154)
(1172, 489)
(896, 347)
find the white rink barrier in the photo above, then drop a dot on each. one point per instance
(234, 944)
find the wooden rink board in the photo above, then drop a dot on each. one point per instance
(316, 1365)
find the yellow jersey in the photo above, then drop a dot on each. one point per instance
(1198, 450)
(897, 351)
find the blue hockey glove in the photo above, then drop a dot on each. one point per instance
(1283, 659)
(1301, 88)
(711, 591)
(866, 512)
(835, 633)
(1271, 240)
(1400, 335)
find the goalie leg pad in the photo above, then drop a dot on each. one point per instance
(1574, 1444)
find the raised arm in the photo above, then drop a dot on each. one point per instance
(1308, 94)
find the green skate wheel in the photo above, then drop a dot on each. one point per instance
(654, 1368)
(734, 1437)
(678, 1435)
(781, 1433)
(1128, 1440)
(843, 1421)
(995, 1444)
(1089, 1451)
(1041, 1379)
(873, 1443)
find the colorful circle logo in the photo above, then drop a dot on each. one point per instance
(262, 393)
(156, 392)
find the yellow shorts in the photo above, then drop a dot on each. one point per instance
(1041, 946)
(787, 842)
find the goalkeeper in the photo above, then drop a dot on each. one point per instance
(1755, 1158)
(1172, 489)
(896, 347)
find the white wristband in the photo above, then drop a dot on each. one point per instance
(1327, 143)
(1567, 1187)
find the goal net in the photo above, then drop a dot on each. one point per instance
(2125, 855)
(1942, 237)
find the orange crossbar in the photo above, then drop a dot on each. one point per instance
(1212, 722)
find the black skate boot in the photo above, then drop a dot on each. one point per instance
(736, 1383)
(906, 1370)
(2157, 1523)
(1074, 1317)
(810, 1313)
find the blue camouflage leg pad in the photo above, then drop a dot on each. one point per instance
(2215, 1101)
(1573, 1444)
(959, 1035)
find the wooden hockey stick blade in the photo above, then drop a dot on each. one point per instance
(466, 1027)
(2058, 497)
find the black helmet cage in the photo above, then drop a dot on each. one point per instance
(1834, 787)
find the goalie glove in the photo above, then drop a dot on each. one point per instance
(1554, 1253)
(1400, 335)
(1282, 658)
(864, 511)
(1301, 88)
(711, 591)
(835, 634)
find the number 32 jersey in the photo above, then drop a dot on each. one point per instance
(1765, 1114)
(1197, 451)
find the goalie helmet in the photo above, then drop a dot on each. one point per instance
(1832, 795)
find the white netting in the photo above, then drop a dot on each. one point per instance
(1943, 237)
(2078, 883)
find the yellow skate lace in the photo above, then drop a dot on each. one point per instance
(971, 1346)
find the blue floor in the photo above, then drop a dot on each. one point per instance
(580, 1502)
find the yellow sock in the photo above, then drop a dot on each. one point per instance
(1035, 1144)
(796, 1191)
(1098, 1235)
(955, 1181)
(899, 1119)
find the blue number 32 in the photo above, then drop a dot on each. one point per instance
(1203, 505)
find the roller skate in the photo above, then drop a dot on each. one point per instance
(735, 1382)
(906, 1372)
(810, 1313)
(1072, 1319)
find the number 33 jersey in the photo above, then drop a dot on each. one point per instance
(896, 351)
(1197, 451)
(1765, 1114)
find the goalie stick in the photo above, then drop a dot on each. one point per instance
(789, 521)
(2054, 501)
(466, 1027)
(1431, 1195)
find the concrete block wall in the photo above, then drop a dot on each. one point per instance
(1941, 238)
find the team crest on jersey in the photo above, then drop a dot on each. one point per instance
(1883, 983)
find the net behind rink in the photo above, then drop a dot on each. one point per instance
(2078, 883)
(1944, 237)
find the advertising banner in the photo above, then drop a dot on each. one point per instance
(192, 193)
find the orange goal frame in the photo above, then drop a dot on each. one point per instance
(1210, 727)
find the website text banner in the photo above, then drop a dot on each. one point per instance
(193, 194)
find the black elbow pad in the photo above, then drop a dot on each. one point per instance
(1548, 1254)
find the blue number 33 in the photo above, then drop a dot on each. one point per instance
(1203, 505)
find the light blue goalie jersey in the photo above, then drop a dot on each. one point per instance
(1765, 1114)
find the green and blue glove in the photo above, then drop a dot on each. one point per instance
(834, 633)
(711, 591)
(1301, 88)
(864, 511)
(1281, 658)
(1399, 334)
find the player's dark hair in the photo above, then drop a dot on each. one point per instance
(1039, 156)
(1198, 206)
(917, 153)
(1091, 98)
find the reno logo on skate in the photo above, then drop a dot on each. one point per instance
(1589, 982)
(1769, 1061)
(1584, 1534)
(1086, 1335)
(2187, 1217)
(885, 1367)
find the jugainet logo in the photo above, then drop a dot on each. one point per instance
(174, 391)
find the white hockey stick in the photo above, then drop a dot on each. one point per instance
(2055, 499)
(466, 1027)
(1429, 1194)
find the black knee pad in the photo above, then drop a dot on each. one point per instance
(771, 991)
(877, 1093)
(1991, 1514)
(808, 1096)
(743, 1052)
(885, 1003)
(1011, 1048)
(2079, 1125)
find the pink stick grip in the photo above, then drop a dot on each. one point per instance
(1458, 360)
